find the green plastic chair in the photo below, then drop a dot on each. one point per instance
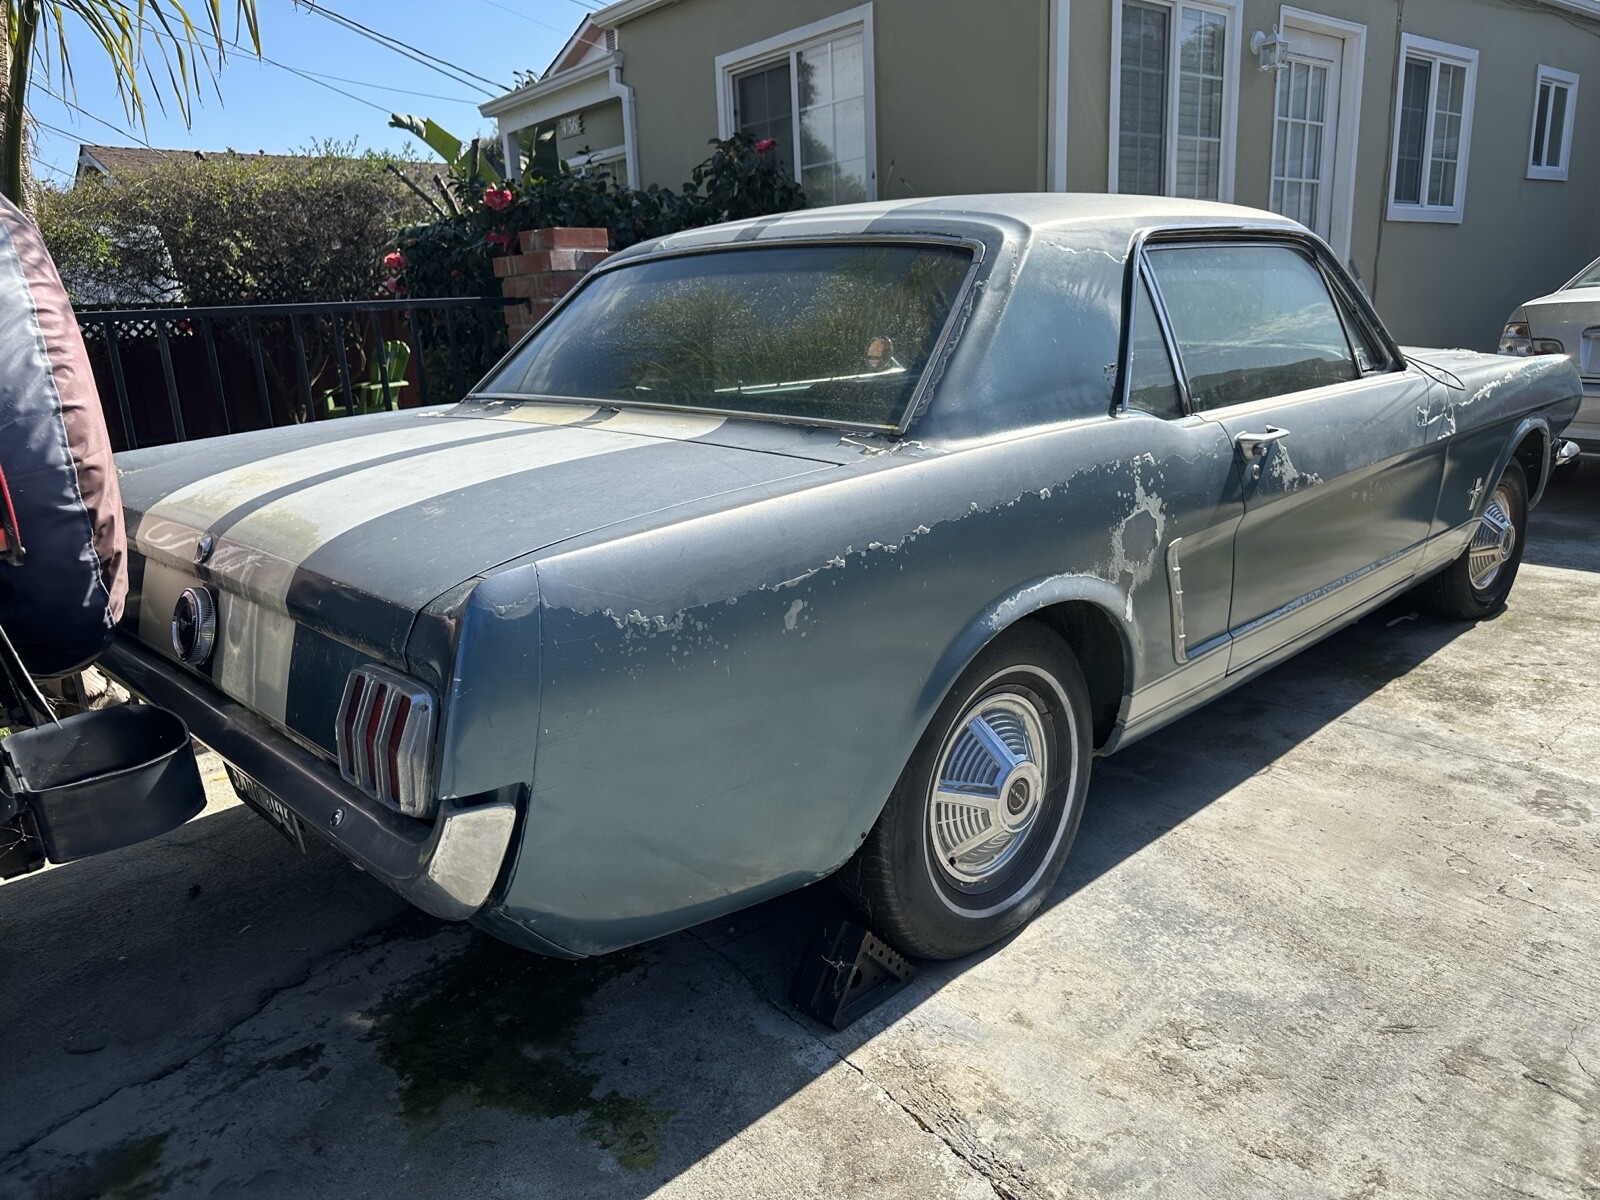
(368, 397)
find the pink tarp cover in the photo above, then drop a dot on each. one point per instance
(62, 603)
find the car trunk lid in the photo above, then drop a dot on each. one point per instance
(1573, 319)
(322, 549)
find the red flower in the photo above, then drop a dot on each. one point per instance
(393, 286)
(765, 144)
(497, 199)
(394, 261)
(500, 239)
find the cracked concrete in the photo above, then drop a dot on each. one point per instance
(1332, 937)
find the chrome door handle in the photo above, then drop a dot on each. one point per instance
(1255, 445)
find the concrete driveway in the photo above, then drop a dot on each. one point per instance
(1335, 936)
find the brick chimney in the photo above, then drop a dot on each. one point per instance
(550, 265)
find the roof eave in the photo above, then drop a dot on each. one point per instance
(623, 11)
(552, 85)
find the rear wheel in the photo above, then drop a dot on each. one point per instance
(1478, 582)
(981, 820)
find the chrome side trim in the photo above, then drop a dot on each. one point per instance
(447, 867)
(1180, 649)
(1323, 592)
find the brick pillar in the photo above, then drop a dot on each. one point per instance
(550, 265)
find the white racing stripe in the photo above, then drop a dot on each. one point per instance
(255, 560)
(259, 556)
(173, 524)
(677, 426)
(528, 413)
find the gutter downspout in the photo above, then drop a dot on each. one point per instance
(1388, 169)
(630, 124)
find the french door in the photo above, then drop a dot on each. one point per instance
(1305, 131)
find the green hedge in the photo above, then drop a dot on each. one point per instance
(454, 256)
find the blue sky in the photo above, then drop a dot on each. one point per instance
(265, 107)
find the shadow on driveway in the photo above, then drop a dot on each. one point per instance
(1565, 528)
(214, 1014)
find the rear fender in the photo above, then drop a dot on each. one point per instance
(1022, 602)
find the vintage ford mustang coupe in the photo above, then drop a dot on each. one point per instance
(839, 542)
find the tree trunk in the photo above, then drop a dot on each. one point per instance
(14, 63)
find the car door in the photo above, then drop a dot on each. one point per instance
(1328, 430)
(1203, 505)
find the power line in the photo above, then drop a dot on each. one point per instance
(56, 129)
(311, 79)
(54, 170)
(382, 87)
(407, 50)
(506, 8)
(78, 108)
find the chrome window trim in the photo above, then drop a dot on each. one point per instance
(916, 403)
(1139, 266)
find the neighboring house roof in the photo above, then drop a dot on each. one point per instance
(588, 41)
(121, 162)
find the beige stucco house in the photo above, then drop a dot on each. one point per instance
(1447, 149)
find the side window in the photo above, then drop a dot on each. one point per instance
(1250, 321)
(1371, 357)
(1152, 383)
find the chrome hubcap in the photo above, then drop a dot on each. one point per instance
(1494, 541)
(989, 787)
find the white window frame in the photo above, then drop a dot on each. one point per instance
(1233, 10)
(1412, 46)
(594, 158)
(1556, 77)
(775, 49)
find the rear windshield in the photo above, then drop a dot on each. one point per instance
(1590, 277)
(829, 333)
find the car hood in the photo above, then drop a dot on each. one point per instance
(350, 527)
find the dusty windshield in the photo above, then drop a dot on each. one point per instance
(1589, 278)
(832, 333)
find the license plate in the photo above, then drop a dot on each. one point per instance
(278, 814)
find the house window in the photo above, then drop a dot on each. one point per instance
(1555, 100)
(763, 106)
(810, 90)
(1432, 131)
(1174, 98)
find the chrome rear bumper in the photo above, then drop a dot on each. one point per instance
(446, 867)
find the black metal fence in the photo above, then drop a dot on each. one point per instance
(174, 374)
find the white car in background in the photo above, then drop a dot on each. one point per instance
(1567, 322)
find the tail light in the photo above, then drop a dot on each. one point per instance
(385, 737)
(1517, 339)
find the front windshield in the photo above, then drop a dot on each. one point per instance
(1589, 278)
(838, 334)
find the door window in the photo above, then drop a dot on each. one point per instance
(1250, 321)
(1152, 383)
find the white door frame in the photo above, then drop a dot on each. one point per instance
(1353, 36)
(1055, 169)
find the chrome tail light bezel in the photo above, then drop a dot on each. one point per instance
(384, 732)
